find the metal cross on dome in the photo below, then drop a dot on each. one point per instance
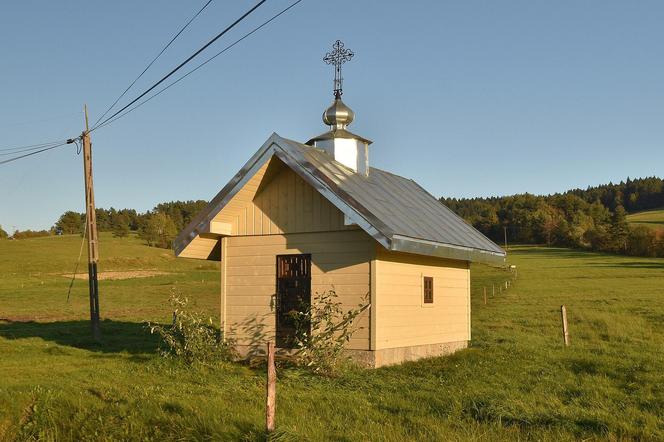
(337, 57)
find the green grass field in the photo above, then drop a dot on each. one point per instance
(516, 382)
(653, 219)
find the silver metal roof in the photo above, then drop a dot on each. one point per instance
(395, 211)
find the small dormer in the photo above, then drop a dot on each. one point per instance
(344, 146)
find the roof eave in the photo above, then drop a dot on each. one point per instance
(417, 246)
(201, 222)
(274, 146)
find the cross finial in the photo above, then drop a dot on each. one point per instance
(337, 57)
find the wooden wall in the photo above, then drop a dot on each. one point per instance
(276, 201)
(402, 319)
(339, 260)
(278, 213)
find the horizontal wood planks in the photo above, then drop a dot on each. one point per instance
(403, 319)
(339, 261)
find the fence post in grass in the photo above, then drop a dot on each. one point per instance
(270, 405)
(484, 295)
(493, 290)
(563, 314)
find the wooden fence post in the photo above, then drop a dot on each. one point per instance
(493, 290)
(270, 405)
(484, 295)
(563, 314)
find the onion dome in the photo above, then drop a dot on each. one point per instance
(338, 115)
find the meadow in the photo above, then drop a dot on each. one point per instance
(516, 382)
(653, 219)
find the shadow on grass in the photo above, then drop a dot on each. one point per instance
(563, 253)
(117, 336)
(630, 265)
(557, 252)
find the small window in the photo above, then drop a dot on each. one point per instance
(428, 290)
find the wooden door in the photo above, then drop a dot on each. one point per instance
(293, 293)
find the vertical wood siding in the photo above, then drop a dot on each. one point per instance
(402, 319)
(276, 201)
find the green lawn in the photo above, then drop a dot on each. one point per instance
(516, 382)
(653, 219)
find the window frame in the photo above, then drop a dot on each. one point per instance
(424, 291)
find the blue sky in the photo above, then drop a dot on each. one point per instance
(469, 98)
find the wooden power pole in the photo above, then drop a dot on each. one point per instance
(91, 229)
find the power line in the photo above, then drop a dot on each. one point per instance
(152, 62)
(6, 149)
(4, 154)
(32, 153)
(191, 57)
(256, 29)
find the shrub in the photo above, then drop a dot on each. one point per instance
(323, 328)
(27, 234)
(641, 241)
(192, 337)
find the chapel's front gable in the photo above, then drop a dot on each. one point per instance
(276, 200)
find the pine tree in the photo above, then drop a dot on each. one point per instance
(619, 230)
(120, 226)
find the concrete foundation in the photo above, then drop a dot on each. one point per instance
(373, 358)
(392, 356)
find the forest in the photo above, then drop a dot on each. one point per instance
(158, 227)
(592, 218)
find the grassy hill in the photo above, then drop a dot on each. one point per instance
(517, 381)
(653, 219)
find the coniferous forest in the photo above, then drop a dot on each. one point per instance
(594, 218)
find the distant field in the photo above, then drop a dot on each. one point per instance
(653, 219)
(516, 382)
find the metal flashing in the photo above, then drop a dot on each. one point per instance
(395, 211)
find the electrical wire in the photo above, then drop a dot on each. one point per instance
(80, 252)
(256, 29)
(152, 62)
(6, 149)
(4, 154)
(178, 67)
(32, 153)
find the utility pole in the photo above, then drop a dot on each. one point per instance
(91, 228)
(505, 231)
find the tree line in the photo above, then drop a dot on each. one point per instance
(157, 227)
(592, 218)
